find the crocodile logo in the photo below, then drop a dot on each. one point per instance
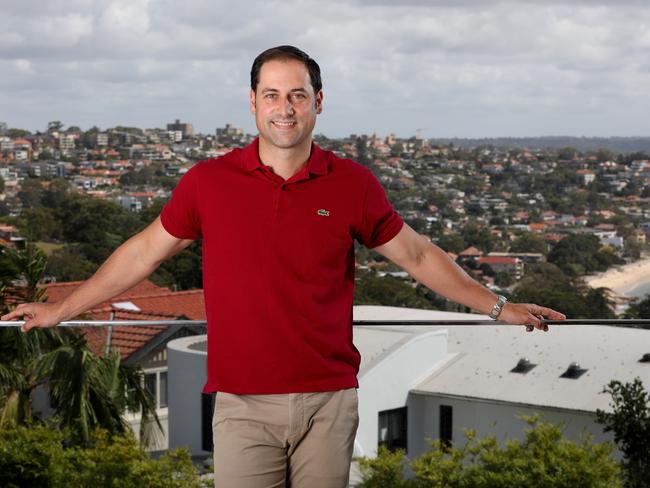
(323, 212)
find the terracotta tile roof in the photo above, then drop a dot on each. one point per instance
(497, 260)
(153, 302)
(537, 226)
(58, 291)
(189, 304)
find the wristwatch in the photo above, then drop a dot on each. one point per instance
(498, 307)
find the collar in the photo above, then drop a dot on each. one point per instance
(317, 163)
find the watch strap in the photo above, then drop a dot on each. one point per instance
(498, 307)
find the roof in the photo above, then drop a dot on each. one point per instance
(58, 291)
(482, 357)
(144, 301)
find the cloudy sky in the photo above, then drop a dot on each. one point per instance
(466, 68)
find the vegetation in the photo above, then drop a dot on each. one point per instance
(371, 289)
(90, 230)
(546, 283)
(39, 456)
(630, 423)
(85, 391)
(639, 309)
(543, 459)
(579, 254)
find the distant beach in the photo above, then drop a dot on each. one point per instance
(628, 280)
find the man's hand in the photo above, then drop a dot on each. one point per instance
(529, 314)
(36, 315)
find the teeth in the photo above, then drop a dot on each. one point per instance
(283, 124)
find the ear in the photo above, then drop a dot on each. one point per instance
(319, 102)
(251, 96)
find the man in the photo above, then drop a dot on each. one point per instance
(278, 221)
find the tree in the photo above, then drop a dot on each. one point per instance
(371, 289)
(451, 243)
(546, 283)
(503, 279)
(632, 248)
(16, 133)
(478, 236)
(31, 192)
(605, 154)
(54, 126)
(39, 223)
(639, 309)
(69, 264)
(543, 459)
(87, 391)
(578, 254)
(529, 242)
(567, 153)
(630, 423)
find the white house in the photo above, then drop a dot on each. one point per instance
(428, 382)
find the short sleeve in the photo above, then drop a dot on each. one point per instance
(380, 222)
(181, 216)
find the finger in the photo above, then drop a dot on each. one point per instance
(532, 322)
(542, 326)
(11, 315)
(19, 311)
(547, 312)
(29, 324)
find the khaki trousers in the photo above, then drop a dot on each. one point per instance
(297, 440)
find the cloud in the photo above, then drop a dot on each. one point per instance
(455, 67)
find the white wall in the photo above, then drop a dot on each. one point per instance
(488, 418)
(386, 385)
(185, 381)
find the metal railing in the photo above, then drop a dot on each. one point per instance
(373, 323)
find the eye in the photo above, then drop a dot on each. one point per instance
(270, 96)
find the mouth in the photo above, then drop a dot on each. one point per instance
(281, 124)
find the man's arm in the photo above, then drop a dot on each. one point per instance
(129, 264)
(431, 266)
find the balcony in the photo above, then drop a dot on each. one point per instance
(424, 374)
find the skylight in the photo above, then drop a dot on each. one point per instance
(574, 371)
(130, 306)
(523, 366)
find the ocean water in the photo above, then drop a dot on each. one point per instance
(640, 290)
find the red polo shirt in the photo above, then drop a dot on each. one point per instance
(278, 266)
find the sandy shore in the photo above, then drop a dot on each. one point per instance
(622, 278)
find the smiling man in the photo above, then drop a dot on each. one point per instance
(278, 220)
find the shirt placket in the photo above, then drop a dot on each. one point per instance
(281, 187)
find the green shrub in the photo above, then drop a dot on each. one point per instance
(543, 459)
(36, 456)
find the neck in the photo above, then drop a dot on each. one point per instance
(284, 161)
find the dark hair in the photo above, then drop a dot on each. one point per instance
(286, 53)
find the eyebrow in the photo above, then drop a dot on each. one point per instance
(293, 90)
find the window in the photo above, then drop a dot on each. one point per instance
(162, 391)
(574, 371)
(446, 424)
(155, 382)
(207, 409)
(392, 428)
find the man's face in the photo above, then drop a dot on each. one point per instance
(284, 104)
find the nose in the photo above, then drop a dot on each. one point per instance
(288, 107)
